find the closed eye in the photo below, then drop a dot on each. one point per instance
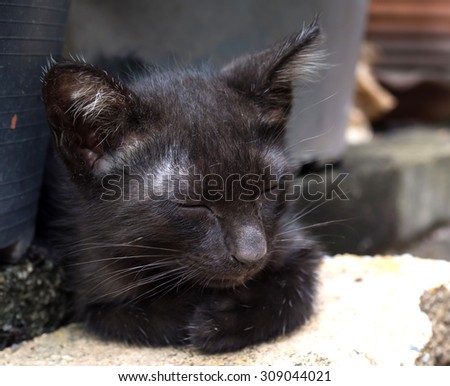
(271, 187)
(271, 193)
(194, 207)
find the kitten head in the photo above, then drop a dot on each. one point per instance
(176, 164)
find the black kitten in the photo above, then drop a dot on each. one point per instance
(176, 200)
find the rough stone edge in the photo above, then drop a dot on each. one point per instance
(32, 298)
(436, 304)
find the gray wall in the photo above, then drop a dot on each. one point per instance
(191, 32)
(187, 31)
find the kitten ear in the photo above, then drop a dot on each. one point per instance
(266, 77)
(89, 113)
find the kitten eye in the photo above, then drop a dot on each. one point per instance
(271, 193)
(271, 188)
(276, 186)
(194, 207)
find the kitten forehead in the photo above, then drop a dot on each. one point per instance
(166, 171)
(167, 168)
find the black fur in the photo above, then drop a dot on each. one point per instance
(220, 274)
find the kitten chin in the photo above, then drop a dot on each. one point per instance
(161, 205)
(231, 281)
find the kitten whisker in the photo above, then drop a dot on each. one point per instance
(315, 225)
(126, 245)
(121, 258)
(152, 290)
(304, 212)
(116, 276)
(317, 103)
(145, 281)
(296, 143)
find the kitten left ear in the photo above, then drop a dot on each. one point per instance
(267, 76)
(90, 114)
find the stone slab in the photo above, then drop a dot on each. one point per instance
(396, 188)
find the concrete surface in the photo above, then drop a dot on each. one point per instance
(367, 314)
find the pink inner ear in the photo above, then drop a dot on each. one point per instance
(89, 157)
(91, 140)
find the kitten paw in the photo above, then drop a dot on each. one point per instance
(217, 326)
(235, 319)
(231, 321)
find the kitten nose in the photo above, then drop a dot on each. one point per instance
(250, 245)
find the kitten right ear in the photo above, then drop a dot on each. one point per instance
(89, 113)
(267, 76)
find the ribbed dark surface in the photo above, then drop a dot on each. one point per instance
(413, 35)
(30, 30)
